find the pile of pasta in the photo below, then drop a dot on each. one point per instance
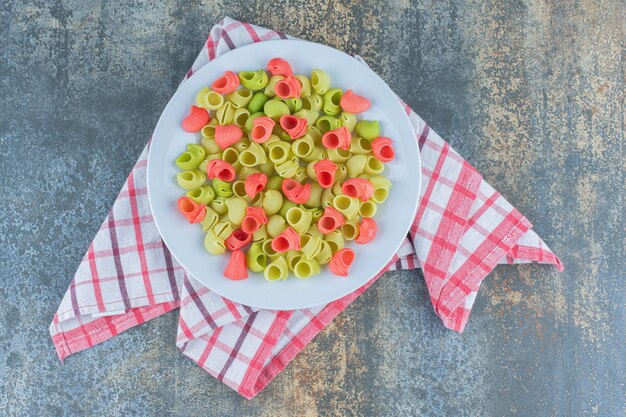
(284, 173)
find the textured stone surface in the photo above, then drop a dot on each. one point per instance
(530, 92)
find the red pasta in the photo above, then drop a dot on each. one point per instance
(382, 148)
(228, 135)
(352, 103)
(358, 188)
(337, 138)
(289, 239)
(330, 221)
(193, 212)
(217, 168)
(296, 192)
(341, 262)
(255, 218)
(325, 172)
(261, 129)
(367, 231)
(236, 268)
(279, 66)
(255, 183)
(226, 84)
(290, 87)
(196, 119)
(295, 127)
(238, 239)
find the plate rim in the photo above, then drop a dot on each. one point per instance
(216, 61)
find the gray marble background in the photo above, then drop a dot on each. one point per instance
(530, 92)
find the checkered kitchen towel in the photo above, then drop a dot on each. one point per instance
(462, 230)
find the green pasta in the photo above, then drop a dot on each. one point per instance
(310, 246)
(327, 123)
(368, 129)
(313, 103)
(360, 146)
(373, 166)
(240, 117)
(306, 268)
(277, 270)
(275, 225)
(208, 131)
(315, 199)
(338, 155)
(256, 260)
(314, 231)
(350, 229)
(331, 102)
(245, 172)
(209, 99)
(325, 254)
(191, 158)
(222, 188)
(275, 108)
(381, 189)
(348, 120)
(316, 213)
(274, 183)
(240, 98)
(309, 115)
(231, 155)
(356, 165)
(253, 156)
(299, 219)
(267, 168)
(368, 209)
(271, 254)
(260, 235)
(256, 104)
(236, 210)
(292, 258)
(210, 146)
(293, 104)
(213, 244)
(272, 202)
(301, 147)
(190, 180)
(209, 220)
(239, 190)
(202, 195)
(254, 80)
(335, 240)
(316, 134)
(288, 168)
(273, 139)
(348, 206)
(305, 85)
(341, 173)
(223, 229)
(219, 205)
(327, 197)
(242, 144)
(320, 81)
(317, 154)
(224, 115)
(285, 208)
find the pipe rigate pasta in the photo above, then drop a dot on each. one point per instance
(285, 173)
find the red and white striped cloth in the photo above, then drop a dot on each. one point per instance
(462, 230)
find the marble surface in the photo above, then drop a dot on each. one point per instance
(530, 92)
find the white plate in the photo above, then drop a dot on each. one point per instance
(394, 217)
